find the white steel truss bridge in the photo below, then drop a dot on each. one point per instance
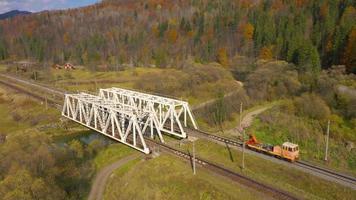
(121, 122)
(167, 111)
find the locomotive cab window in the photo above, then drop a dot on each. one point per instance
(287, 146)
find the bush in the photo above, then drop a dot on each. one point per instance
(272, 81)
(312, 106)
(189, 79)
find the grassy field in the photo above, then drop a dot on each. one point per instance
(227, 129)
(281, 127)
(297, 182)
(165, 177)
(111, 154)
(194, 84)
(19, 112)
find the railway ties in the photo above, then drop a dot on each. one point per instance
(174, 151)
(339, 177)
(342, 177)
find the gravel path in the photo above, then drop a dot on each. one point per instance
(98, 187)
(27, 82)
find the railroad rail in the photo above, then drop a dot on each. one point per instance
(200, 134)
(50, 101)
(327, 172)
(275, 193)
(302, 164)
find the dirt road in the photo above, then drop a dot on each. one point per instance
(98, 187)
(249, 117)
(247, 120)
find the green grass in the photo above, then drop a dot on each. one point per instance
(111, 154)
(229, 125)
(18, 112)
(297, 182)
(165, 177)
(310, 137)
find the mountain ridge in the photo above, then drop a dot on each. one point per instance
(13, 13)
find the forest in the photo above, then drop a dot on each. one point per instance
(310, 34)
(297, 55)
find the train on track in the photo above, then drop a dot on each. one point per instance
(287, 151)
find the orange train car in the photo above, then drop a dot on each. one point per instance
(288, 151)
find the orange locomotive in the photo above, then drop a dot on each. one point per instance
(288, 150)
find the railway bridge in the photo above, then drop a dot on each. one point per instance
(129, 116)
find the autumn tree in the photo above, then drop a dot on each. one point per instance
(93, 35)
(222, 57)
(22, 185)
(266, 53)
(248, 31)
(311, 105)
(66, 39)
(172, 35)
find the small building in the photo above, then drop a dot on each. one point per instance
(69, 66)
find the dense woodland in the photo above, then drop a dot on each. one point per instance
(248, 38)
(311, 34)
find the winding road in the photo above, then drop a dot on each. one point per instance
(98, 186)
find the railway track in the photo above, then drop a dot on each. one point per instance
(275, 193)
(50, 101)
(198, 133)
(327, 172)
(302, 164)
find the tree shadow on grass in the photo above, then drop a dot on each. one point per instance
(230, 153)
(191, 160)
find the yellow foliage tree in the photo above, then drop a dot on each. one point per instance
(248, 32)
(222, 57)
(172, 35)
(266, 53)
(155, 30)
(66, 38)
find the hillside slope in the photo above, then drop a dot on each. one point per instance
(164, 33)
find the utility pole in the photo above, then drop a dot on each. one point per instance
(243, 149)
(96, 86)
(243, 139)
(240, 114)
(194, 158)
(327, 141)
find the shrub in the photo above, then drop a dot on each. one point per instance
(272, 81)
(312, 106)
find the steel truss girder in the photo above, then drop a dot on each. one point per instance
(167, 111)
(120, 122)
